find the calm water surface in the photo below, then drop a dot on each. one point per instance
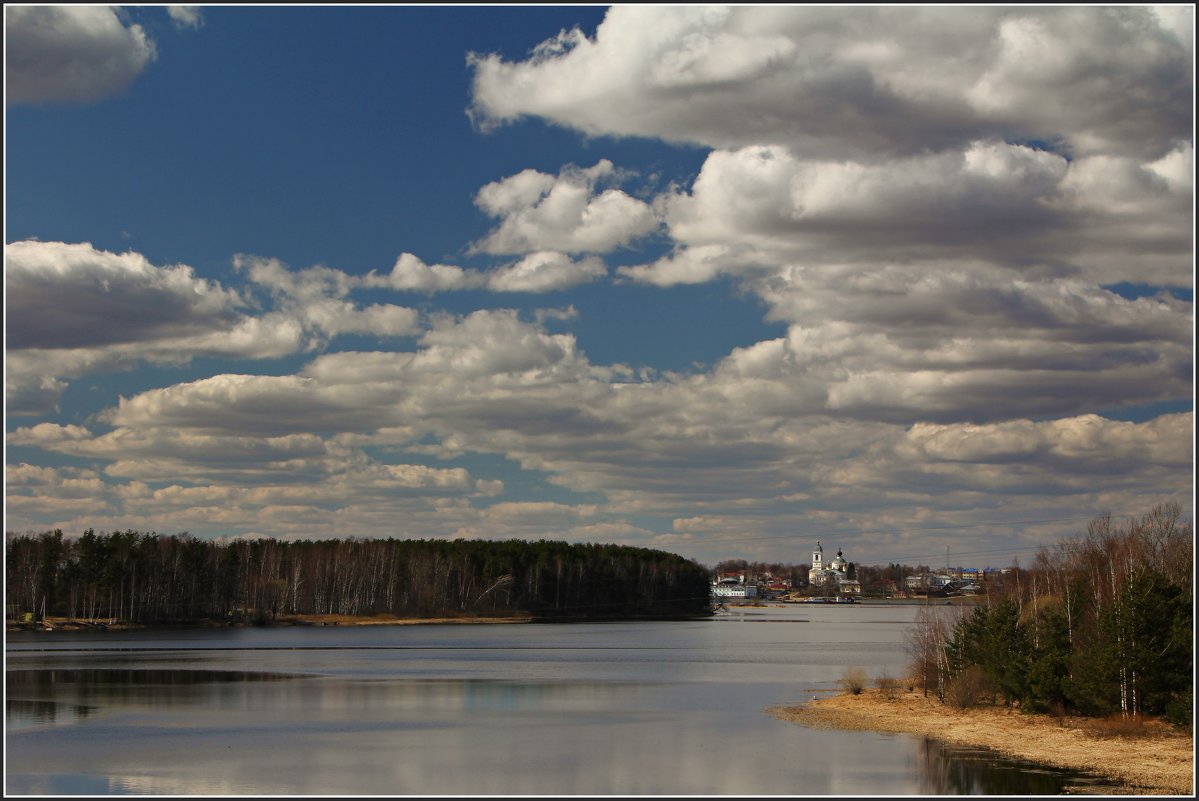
(555, 709)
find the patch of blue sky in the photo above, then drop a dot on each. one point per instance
(1132, 291)
(1140, 413)
(1056, 145)
(680, 328)
(243, 148)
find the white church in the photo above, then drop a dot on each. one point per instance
(834, 574)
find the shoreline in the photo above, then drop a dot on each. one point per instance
(56, 623)
(1159, 764)
(52, 624)
(107, 624)
(386, 620)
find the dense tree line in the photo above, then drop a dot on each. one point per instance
(1099, 624)
(150, 578)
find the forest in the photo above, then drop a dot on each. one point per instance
(147, 578)
(1099, 624)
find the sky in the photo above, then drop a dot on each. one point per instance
(913, 281)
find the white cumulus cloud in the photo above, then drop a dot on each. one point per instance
(70, 53)
(858, 82)
(545, 271)
(569, 213)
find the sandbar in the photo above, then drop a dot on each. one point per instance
(1160, 762)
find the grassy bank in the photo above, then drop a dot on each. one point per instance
(1151, 758)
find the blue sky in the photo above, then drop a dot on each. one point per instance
(722, 281)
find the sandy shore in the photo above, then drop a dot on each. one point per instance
(1160, 764)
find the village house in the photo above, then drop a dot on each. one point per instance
(932, 581)
(733, 586)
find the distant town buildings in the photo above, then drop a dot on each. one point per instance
(954, 581)
(840, 579)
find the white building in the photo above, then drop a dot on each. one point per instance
(834, 573)
(732, 588)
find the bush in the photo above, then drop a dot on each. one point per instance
(853, 681)
(888, 687)
(966, 688)
(1122, 726)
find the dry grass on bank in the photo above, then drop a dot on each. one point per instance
(1155, 760)
(386, 620)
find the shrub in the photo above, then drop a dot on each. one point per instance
(888, 687)
(910, 679)
(853, 680)
(1121, 726)
(966, 688)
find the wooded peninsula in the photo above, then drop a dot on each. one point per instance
(1099, 624)
(151, 579)
(1092, 645)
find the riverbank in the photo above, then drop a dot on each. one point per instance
(107, 624)
(1158, 761)
(388, 620)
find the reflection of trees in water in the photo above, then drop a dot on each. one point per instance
(953, 770)
(14, 679)
(38, 695)
(59, 690)
(19, 713)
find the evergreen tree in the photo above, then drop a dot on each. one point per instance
(1146, 651)
(1050, 664)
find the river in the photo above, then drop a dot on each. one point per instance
(638, 708)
